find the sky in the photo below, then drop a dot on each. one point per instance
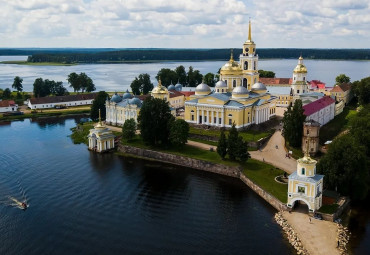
(184, 24)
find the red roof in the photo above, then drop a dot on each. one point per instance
(62, 99)
(175, 93)
(317, 105)
(187, 93)
(276, 81)
(341, 88)
(6, 103)
(317, 84)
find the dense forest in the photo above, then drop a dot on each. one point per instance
(146, 55)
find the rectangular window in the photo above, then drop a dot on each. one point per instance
(205, 119)
(219, 121)
(301, 189)
(230, 121)
(215, 120)
(303, 171)
(192, 117)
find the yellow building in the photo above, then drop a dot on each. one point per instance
(101, 138)
(245, 73)
(234, 99)
(305, 185)
(342, 92)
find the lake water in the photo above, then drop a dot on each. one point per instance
(85, 203)
(118, 77)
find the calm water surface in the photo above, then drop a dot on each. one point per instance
(118, 77)
(85, 203)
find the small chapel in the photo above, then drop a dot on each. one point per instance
(101, 138)
(305, 186)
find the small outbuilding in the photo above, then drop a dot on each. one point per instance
(101, 138)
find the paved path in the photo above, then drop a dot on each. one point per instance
(276, 157)
(318, 237)
(203, 146)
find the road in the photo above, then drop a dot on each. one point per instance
(276, 156)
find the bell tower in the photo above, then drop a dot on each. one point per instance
(249, 61)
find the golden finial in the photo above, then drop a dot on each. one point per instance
(250, 31)
(159, 82)
(232, 55)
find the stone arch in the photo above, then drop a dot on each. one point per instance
(303, 200)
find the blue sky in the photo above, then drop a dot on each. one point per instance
(184, 24)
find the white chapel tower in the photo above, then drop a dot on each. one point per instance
(299, 83)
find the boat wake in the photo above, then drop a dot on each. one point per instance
(14, 197)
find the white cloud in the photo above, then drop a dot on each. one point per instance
(191, 23)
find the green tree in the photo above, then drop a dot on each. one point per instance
(146, 84)
(360, 128)
(266, 74)
(154, 121)
(141, 84)
(85, 83)
(345, 167)
(99, 103)
(73, 81)
(181, 75)
(57, 89)
(210, 79)
(129, 129)
(17, 84)
(232, 143)
(342, 78)
(362, 90)
(167, 75)
(42, 88)
(293, 124)
(135, 86)
(179, 132)
(222, 144)
(242, 153)
(6, 93)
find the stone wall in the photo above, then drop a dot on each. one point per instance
(277, 204)
(182, 161)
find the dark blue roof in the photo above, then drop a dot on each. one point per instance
(314, 179)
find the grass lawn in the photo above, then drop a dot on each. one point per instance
(329, 209)
(186, 151)
(337, 125)
(264, 175)
(249, 135)
(203, 141)
(80, 135)
(297, 152)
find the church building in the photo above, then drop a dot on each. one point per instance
(101, 138)
(305, 186)
(238, 96)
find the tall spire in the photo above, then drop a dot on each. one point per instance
(232, 55)
(250, 31)
(99, 116)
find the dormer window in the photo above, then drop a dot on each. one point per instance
(303, 171)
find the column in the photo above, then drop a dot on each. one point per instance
(197, 121)
(213, 118)
(222, 118)
(203, 116)
(208, 117)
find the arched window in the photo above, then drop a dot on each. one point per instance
(255, 65)
(245, 83)
(226, 82)
(222, 90)
(303, 171)
(304, 78)
(234, 83)
(230, 115)
(245, 65)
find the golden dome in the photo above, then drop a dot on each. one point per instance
(300, 68)
(160, 89)
(231, 67)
